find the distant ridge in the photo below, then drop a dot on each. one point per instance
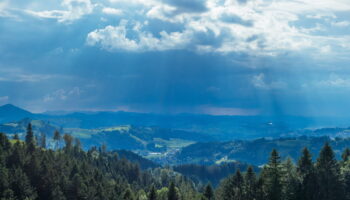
(9, 112)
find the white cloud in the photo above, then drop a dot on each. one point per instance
(62, 95)
(18, 75)
(255, 27)
(75, 9)
(112, 11)
(115, 38)
(259, 81)
(25, 78)
(334, 81)
(341, 23)
(112, 38)
(4, 12)
(321, 16)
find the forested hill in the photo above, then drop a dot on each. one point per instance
(255, 151)
(30, 171)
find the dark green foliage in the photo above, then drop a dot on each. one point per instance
(290, 181)
(233, 187)
(345, 171)
(274, 177)
(68, 140)
(57, 138)
(308, 178)
(152, 194)
(346, 155)
(325, 180)
(208, 192)
(66, 174)
(21, 186)
(328, 174)
(71, 173)
(16, 137)
(128, 195)
(30, 140)
(255, 151)
(212, 173)
(250, 184)
(30, 134)
(172, 193)
(43, 140)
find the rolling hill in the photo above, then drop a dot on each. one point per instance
(253, 151)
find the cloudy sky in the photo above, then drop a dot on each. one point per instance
(221, 57)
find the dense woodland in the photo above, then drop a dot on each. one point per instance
(28, 170)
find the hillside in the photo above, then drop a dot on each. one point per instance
(19, 127)
(253, 151)
(215, 128)
(173, 146)
(137, 137)
(28, 171)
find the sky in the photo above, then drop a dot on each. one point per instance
(219, 57)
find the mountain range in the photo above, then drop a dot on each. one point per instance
(183, 138)
(220, 128)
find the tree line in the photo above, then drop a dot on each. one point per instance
(325, 179)
(29, 170)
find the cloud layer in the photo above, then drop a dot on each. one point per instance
(201, 56)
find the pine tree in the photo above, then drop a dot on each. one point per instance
(68, 140)
(43, 140)
(172, 193)
(8, 194)
(77, 144)
(274, 175)
(345, 172)
(208, 192)
(306, 172)
(152, 194)
(233, 187)
(30, 134)
(260, 189)
(250, 184)
(57, 194)
(346, 155)
(57, 138)
(30, 141)
(33, 169)
(16, 137)
(21, 186)
(4, 180)
(17, 156)
(238, 183)
(328, 173)
(79, 189)
(290, 181)
(128, 195)
(228, 185)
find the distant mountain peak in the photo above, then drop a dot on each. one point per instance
(9, 112)
(11, 108)
(8, 106)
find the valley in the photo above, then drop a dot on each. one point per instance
(160, 142)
